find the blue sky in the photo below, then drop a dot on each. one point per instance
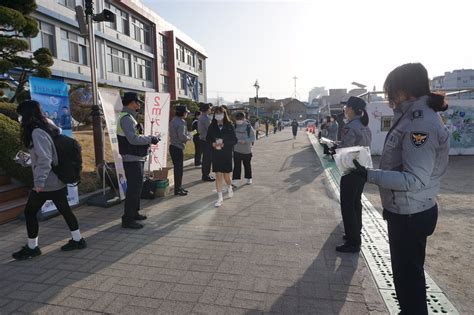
(324, 43)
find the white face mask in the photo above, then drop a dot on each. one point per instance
(239, 122)
(20, 118)
(219, 117)
(210, 116)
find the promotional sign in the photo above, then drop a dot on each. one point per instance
(459, 119)
(157, 113)
(54, 99)
(112, 106)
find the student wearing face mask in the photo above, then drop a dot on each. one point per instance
(243, 149)
(221, 137)
(203, 123)
(355, 133)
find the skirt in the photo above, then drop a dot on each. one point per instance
(222, 161)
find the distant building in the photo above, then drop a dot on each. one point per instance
(455, 80)
(316, 92)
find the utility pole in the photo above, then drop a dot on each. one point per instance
(295, 95)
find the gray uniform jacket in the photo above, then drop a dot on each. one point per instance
(128, 124)
(242, 135)
(332, 129)
(203, 125)
(354, 133)
(414, 158)
(178, 132)
(43, 156)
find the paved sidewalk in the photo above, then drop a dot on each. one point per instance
(270, 249)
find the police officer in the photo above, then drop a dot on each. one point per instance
(204, 122)
(414, 158)
(354, 133)
(133, 147)
(178, 138)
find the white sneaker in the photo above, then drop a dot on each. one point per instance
(249, 181)
(234, 182)
(231, 193)
(218, 203)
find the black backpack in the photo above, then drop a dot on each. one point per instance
(69, 153)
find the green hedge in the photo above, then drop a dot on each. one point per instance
(9, 110)
(11, 144)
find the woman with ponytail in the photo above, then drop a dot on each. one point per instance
(414, 158)
(355, 133)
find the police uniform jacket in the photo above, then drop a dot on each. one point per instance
(354, 133)
(414, 158)
(178, 132)
(133, 145)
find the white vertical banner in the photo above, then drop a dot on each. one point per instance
(157, 114)
(112, 106)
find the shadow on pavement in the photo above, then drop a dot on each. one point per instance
(324, 287)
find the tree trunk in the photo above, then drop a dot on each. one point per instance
(20, 87)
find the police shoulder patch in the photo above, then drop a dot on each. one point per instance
(417, 114)
(419, 138)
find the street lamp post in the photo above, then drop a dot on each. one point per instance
(256, 86)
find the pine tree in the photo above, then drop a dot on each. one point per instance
(16, 27)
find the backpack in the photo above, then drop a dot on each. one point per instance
(249, 128)
(69, 154)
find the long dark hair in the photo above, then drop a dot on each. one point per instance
(364, 117)
(412, 79)
(220, 109)
(32, 117)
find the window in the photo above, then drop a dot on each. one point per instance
(121, 23)
(181, 81)
(386, 123)
(141, 32)
(142, 69)
(118, 61)
(164, 53)
(71, 4)
(190, 58)
(165, 84)
(45, 38)
(180, 53)
(73, 48)
(200, 64)
(201, 89)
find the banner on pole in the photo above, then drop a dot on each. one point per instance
(112, 106)
(54, 99)
(157, 113)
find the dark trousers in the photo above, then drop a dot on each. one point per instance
(407, 235)
(256, 134)
(206, 158)
(37, 200)
(266, 131)
(177, 156)
(197, 151)
(240, 158)
(134, 175)
(352, 187)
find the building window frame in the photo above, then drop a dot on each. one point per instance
(142, 69)
(141, 31)
(44, 38)
(200, 64)
(163, 52)
(201, 88)
(180, 52)
(122, 19)
(70, 4)
(165, 84)
(74, 48)
(118, 61)
(386, 123)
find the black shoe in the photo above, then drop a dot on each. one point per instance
(182, 189)
(348, 248)
(72, 245)
(208, 179)
(26, 253)
(180, 193)
(132, 225)
(140, 217)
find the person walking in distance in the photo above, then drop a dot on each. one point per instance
(204, 121)
(294, 128)
(36, 134)
(196, 141)
(178, 138)
(355, 133)
(221, 137)
(133, 147)
(333, 129)
(243, 149)
(414, 158)
(267, 127)
(257, 128)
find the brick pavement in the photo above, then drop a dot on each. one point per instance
(270, 249)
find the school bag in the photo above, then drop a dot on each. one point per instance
(69, 153)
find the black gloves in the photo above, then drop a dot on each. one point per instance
(155, 140)
(360, 170)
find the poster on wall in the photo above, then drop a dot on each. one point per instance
(54, 99)
(112, 106)
(459, 120)
(157, 113)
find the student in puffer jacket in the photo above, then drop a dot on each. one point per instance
(243, 149)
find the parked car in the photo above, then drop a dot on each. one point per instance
(307, 122)
(286, 122)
